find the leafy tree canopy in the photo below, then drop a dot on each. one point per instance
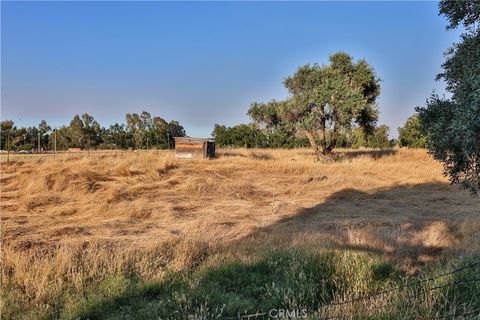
(453, 125)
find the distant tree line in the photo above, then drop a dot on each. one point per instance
(140, 131)
(252, 136)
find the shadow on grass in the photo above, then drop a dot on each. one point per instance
(411, 224)
(354, 153)
(374, 154)
(390, 222)
(287, 278)
(229, 153)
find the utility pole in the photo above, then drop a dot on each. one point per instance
(39, 142)
(54, 142)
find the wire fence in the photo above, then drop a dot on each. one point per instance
(319, 309)
(416, 282)
(455, 315)
(17, 156)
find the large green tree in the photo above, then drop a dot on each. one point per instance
(43, 130)
(324, 99)
(453, 125)
(136, 126)
(175, 129)
(76, 132)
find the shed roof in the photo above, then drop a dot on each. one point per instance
(194, 139)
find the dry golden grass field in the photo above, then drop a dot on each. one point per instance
(74, 218)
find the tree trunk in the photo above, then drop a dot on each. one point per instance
(315, 146)
(333, 143)
(322, 134)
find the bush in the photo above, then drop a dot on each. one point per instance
(411, 135)
(26, 147)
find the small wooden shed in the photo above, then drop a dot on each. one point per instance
(198, 148)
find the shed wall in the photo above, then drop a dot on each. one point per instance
(194, 148)
(189, 149)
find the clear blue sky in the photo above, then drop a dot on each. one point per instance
(204, 62)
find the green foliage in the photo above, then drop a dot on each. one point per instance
(84, 131)
(141, 131)
(376, 138)
(268, 115)
(278, 132)
(17, 139)
(460, 12)
(7, 129)
(25, 147)
(411, 134)
(64, 138)
(379, 138)
(280, 136)
(137, 126)
(175, 129)
(453, 125)
(242, 135)
(146, 132)
(116, 136)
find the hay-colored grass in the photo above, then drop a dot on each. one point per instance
(77, 217)
(143, 199)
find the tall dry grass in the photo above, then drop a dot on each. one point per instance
(140, 199)
(69, 221)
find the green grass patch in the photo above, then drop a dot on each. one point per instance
(288, 279)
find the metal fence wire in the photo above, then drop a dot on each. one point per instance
(316, 310)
